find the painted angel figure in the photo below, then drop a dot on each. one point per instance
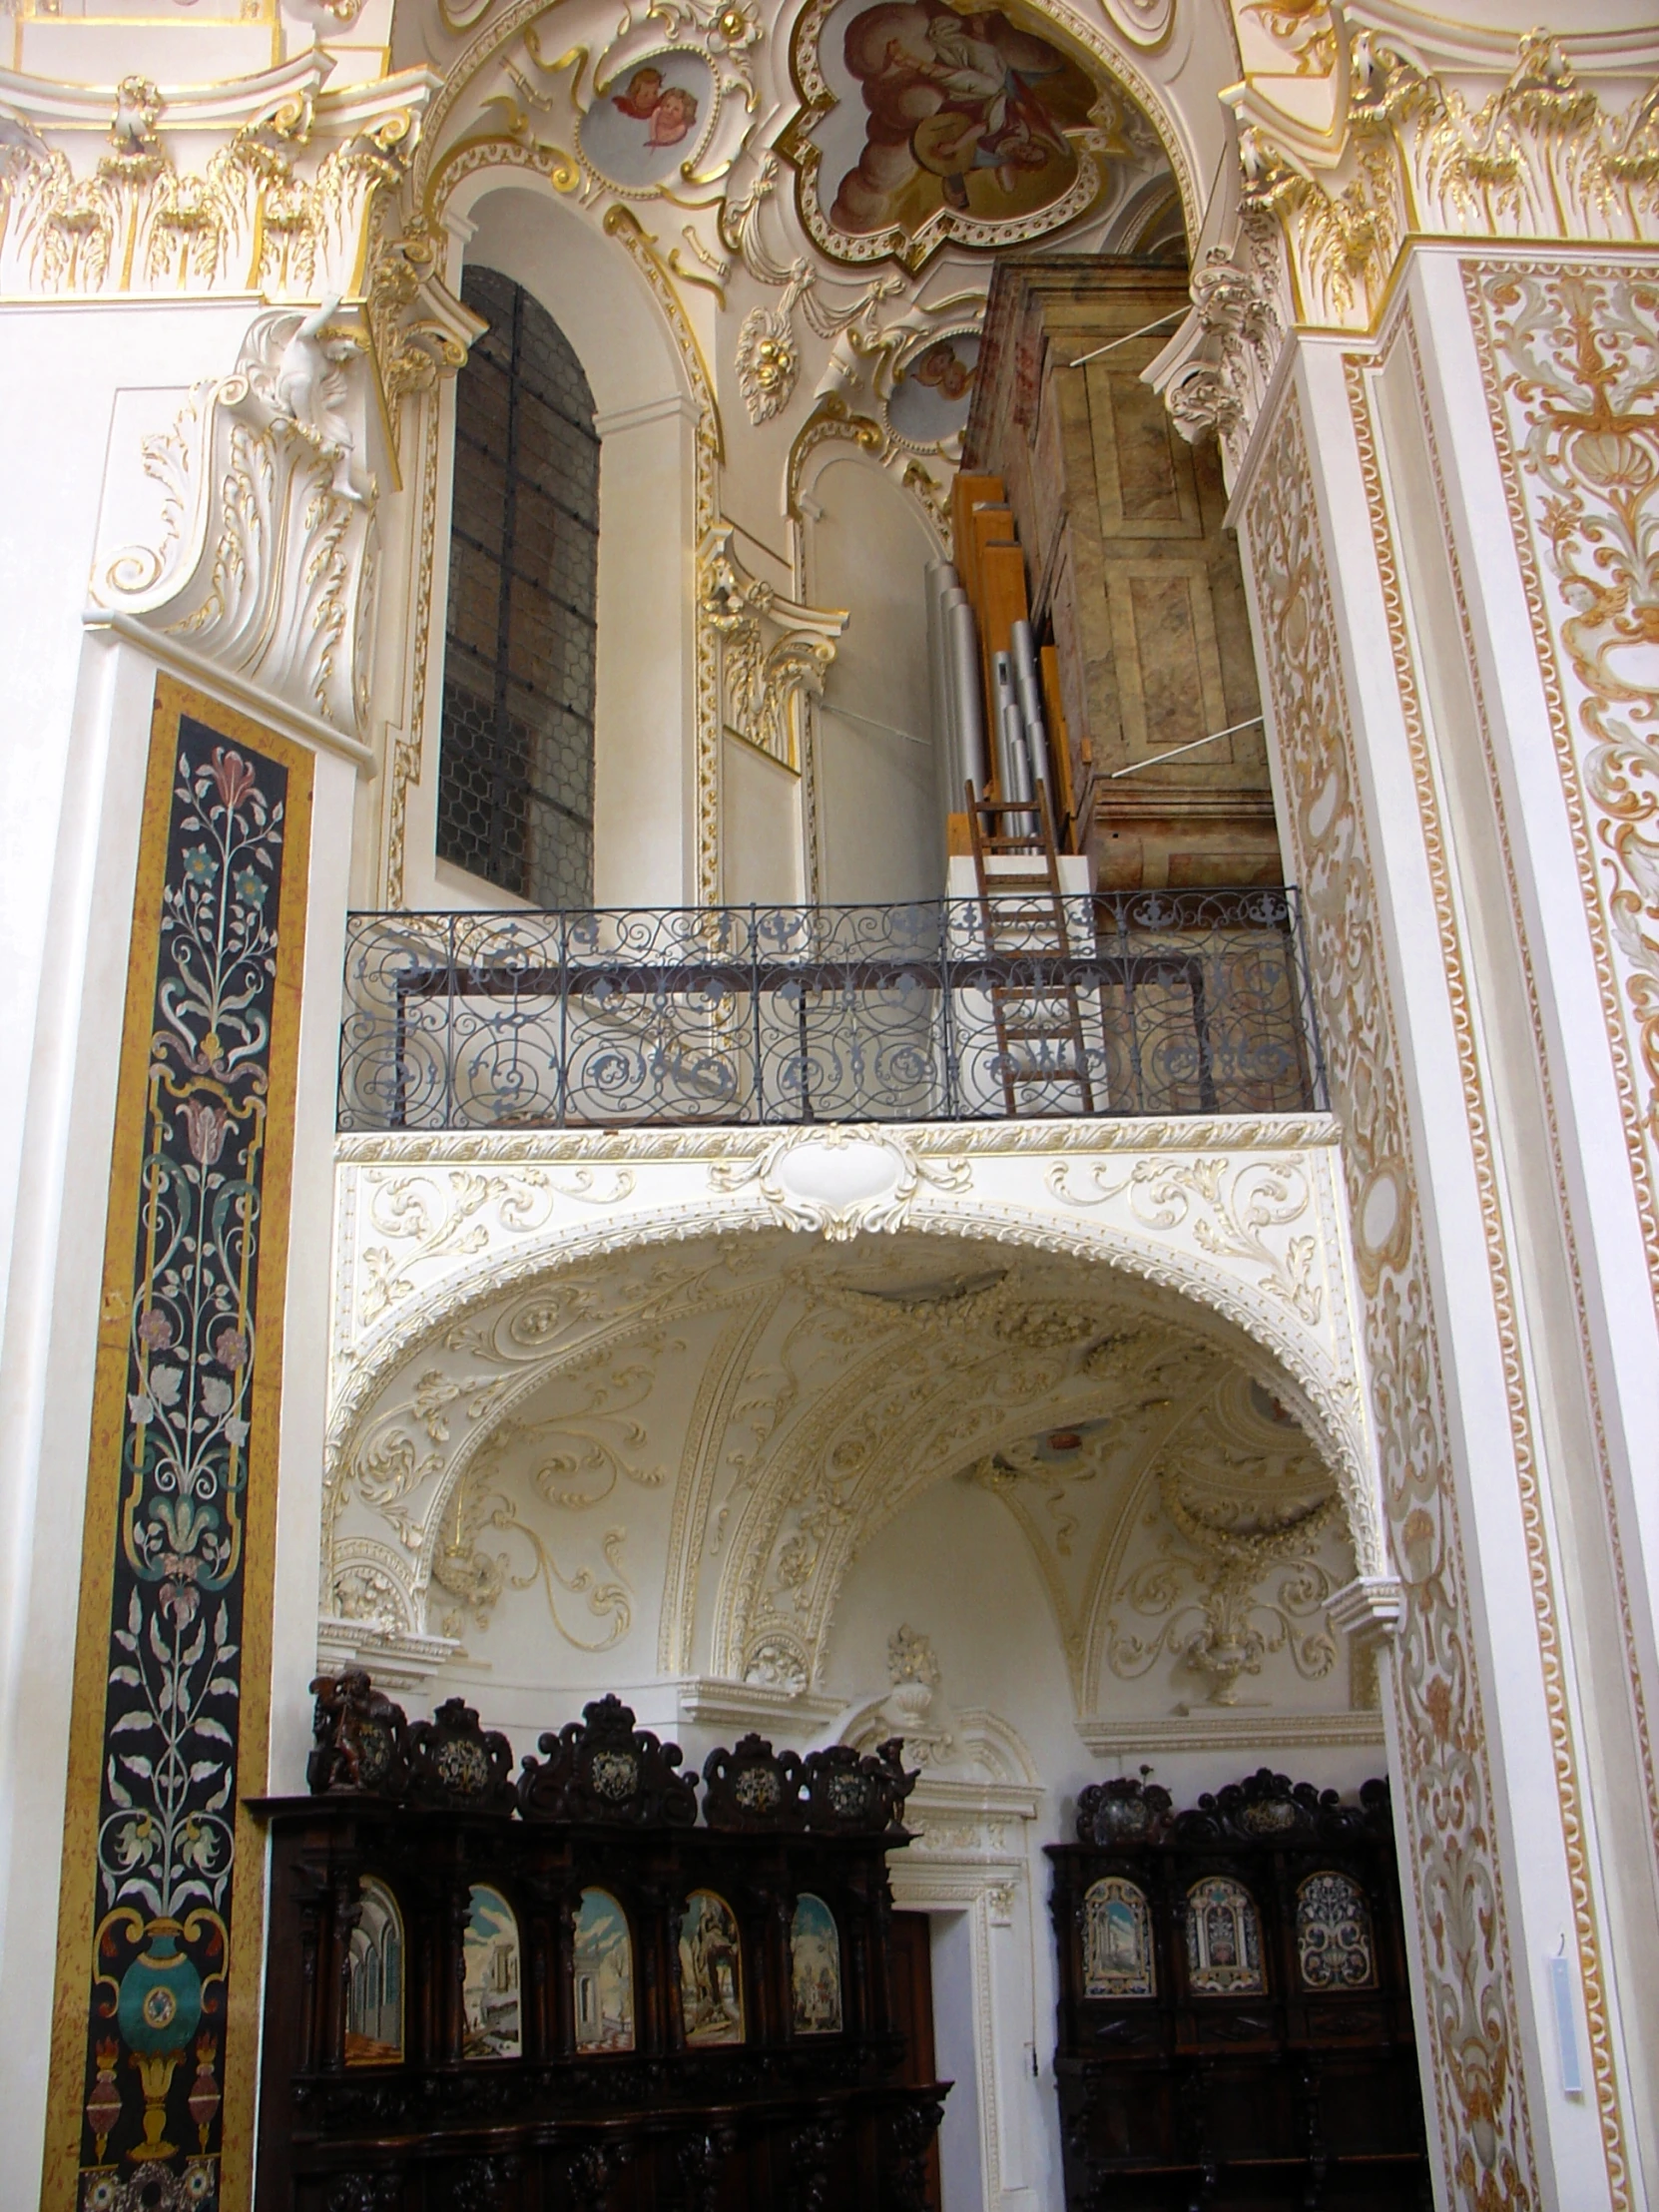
(954, 98)
(668, 110)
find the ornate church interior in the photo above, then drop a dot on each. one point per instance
(832, 1261)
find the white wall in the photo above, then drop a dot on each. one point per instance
(74, 727)
(961, 2175)
(882, 830)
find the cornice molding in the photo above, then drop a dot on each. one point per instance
(1263, 1729)
(1373, 1605)
(267, 184)
(1366, 132)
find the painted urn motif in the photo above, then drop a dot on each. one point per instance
(158, 2010)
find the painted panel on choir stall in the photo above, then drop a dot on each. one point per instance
(490, 1955)
(816, 1967)
(1224, 1940)
(1333, 1947)
(711, 1971)
(604, 1974)
(1117, 1941)
(375, 1985)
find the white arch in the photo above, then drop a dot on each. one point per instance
(1185, 1221)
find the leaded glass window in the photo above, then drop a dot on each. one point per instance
(515, 781)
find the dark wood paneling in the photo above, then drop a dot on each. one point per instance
(1272, 2099)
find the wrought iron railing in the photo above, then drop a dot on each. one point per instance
(1186, 1002)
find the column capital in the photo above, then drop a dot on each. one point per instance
(1354, 140)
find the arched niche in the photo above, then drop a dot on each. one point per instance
(516, 1316)
(878, 799)
(644, 716)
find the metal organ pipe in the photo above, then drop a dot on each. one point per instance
(1013, 751)
(1023, 652)
(971, 763)
(940, 578)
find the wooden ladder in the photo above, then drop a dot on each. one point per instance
(1039, 1025)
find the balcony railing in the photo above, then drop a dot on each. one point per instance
(1185, 1002)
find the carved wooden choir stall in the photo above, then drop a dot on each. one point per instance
(565, 1991)
(1234, 2025)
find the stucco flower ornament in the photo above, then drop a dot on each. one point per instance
(769, 361)
(734, 28)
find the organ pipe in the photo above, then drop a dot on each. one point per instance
(1023, 652)
(971, 766)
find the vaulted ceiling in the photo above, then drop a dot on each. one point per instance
(667, 1461)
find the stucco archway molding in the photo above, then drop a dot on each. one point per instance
(1242, 1219)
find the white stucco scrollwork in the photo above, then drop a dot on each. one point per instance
(773, 652)
(838, 1181)
(481, 1277)
(261, 548)
(168, 193)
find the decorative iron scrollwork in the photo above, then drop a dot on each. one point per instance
(1191, 1002)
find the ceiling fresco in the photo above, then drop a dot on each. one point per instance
(816, 194)
(924, 125)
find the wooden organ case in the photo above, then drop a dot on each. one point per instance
(1234, 2025)
(1075, 480)
(487, 1994)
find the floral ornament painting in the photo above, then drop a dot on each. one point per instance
(207, 1048)
(650, 121)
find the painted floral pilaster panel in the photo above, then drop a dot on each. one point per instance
(1446, 1792)
(1570, 357)
(154, 2036)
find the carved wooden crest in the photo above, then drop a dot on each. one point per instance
(851, 1796)
(452, 1761)
(1125, 1810)
(755, 1789)
(603, 1769)
(1267, 1808)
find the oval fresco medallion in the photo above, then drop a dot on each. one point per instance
(933, 389)
(650, 120)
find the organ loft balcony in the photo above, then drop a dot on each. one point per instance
(1044, 753)
(1013, 1005)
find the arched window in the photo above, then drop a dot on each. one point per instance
(515, 778)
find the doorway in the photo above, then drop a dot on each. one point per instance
(910, 1956)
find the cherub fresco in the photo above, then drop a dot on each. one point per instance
(942, 368)
(668, 110)
(967, 112)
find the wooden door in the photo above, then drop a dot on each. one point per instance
(911, 1965)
